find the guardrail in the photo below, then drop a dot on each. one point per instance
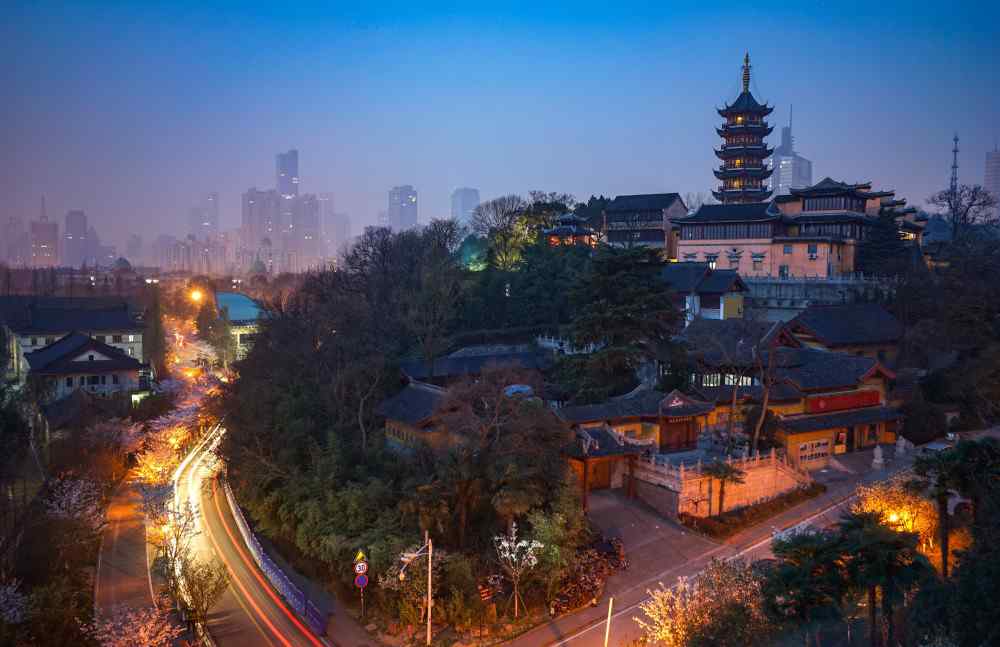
(295, 597)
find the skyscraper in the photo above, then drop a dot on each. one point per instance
(402, 212)
(791, 170)
(464, 201)
(287, 172)
(203, 220)
(303, 241)
(991, 179)
(15, 244)
(44, 242)
(336, 227)
(75, 238)
(261, 213)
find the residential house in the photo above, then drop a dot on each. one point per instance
(79, 361)
(702, 291)
(33, 322)
(409, 417)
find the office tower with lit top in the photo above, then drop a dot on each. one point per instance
(743, 172)
(791, 170)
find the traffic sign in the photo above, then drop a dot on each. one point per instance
(361, 568)
(360, 557)
(361, 581)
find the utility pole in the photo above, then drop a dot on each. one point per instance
(430, 571)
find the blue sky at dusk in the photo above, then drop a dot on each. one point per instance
(131, 111)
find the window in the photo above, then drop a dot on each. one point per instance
(104, 379)
(812, 249)
(90, 357)
(710, 380)
(788, 249)
(872, 434)
(783, 271)
(69, 381)
(131, 338)
(711, 259)
(130, 352)
(34, 341)
(117, 339)
(114, 379)
(93, 380)
(49, 340)
(816, 450)
(100, 338)
(758, 265)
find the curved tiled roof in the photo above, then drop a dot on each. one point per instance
(750, 212)
(848, 324)
(59, 357)
(413, 405)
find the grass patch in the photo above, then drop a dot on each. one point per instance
(733, 521)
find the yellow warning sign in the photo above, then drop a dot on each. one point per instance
(360, 557)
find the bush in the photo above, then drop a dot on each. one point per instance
(923, 421)
(731, 522)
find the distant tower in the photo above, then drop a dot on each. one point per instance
(991, 178)
(743, 171)
(954, 167)
(287, 173)
(402, 213)
(791, 170)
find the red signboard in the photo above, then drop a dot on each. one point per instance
(842, 401)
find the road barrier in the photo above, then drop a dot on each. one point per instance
(295, 597)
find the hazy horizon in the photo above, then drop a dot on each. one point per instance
(132, 113)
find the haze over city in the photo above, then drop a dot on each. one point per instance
(132, 113)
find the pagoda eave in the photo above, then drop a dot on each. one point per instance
(761, 173)
(742, 195)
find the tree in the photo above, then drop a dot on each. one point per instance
(625, 312)
(939, 471)
(561, 530)
(883, 251)
(807, 585)
(517, 558)
(154, 337)
(126, 627)
(965, 208)
(501, 221)
(721, 606)
(725, 473)
(204, 584)
(171, 537)
(883, 559)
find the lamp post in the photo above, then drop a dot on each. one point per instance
(408, 558)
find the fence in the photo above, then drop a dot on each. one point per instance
(295, 597)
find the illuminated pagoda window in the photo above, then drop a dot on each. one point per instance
(743, 171)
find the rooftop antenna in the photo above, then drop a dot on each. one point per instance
(43, 218)
(954, 166)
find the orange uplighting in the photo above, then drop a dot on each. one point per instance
(196, 296)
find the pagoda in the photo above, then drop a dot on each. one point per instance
(743, 171)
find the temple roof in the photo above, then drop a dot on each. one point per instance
(691, 277)
(745, 103)
(641, 403)
(866, 416)
(848, 324)
(749, 212)
(471, 360)
(828, 186)
(415, 404)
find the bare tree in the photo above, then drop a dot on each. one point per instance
(204, 584)
(501, 222)
(694, 201)
(966, 207)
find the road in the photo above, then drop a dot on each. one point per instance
(250, 612)
(586, 627)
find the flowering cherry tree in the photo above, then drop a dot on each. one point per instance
(13, 603)
(76, 500)
(516, 558)
(125, 627)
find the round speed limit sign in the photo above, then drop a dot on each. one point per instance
(361, 568)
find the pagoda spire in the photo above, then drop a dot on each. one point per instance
(746, 72)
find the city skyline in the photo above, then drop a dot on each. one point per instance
(357, 138)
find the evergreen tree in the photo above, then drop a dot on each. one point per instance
(154, 338)
(883, 250)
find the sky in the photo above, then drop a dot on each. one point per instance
(133, 111)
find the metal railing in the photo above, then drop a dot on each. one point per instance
(295, 597)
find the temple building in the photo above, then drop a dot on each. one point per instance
(644, 220)
(570, 229)
(812, 232)
(744, 171)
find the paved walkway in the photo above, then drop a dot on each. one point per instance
(122, 572)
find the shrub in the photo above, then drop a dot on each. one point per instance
(732, 521)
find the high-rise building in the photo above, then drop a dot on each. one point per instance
(791, 170)
(304, 240)
(464, 201)
(287, 173)
(44, 242)
(15, 244)
(402, 213)
(743, 172)
(261, 215)
(336, 227)
(75, 242)
(203, 221)
(133, 249)
(991, 179)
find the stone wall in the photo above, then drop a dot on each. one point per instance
(673, 490)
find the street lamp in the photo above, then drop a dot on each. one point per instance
(196, 296)
(407, 559)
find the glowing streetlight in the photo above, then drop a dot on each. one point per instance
(196, 296)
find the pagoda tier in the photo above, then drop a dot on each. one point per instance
(753, 172)
(744, 152)
(729, 196)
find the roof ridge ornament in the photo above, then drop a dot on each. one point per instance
(746, 72)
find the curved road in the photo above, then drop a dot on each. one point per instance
(250, 612)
